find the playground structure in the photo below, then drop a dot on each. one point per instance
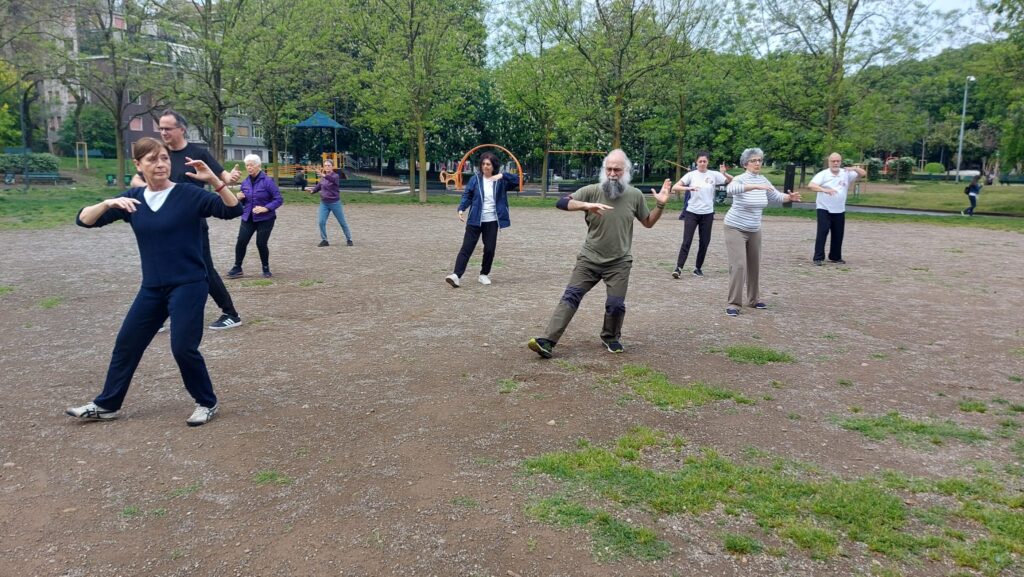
(455, 178)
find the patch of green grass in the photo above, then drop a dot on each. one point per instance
(272, 477)
(568, 366)
(820, 543)
(844, 383)
(655, 388)
(309, 282)
(611, 538)
(50, 302)
(4, 289)
(829, 336)
(475, 262)
(741, 544)
(908, 430)
(1015, 379)
(985, 555)
(856, 409)
(756, 355)
(1015, 408)
(1018, 448)
(159, 512)
(465, 502)
(793, 416)
(507, 386)
(187, 490)
(973, 406)
(130, 511)
(777, 384)
(260, 282)
(1007, 428)
(631, 445)
(879, 356)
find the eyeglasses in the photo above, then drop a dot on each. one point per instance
(613, 169)
(757, 160)
(167, 129)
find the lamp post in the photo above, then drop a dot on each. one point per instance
(963, 116)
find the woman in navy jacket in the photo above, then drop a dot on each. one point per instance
(167, 219)
(486, 196)
(262, 199)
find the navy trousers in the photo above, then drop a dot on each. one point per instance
(184, 304)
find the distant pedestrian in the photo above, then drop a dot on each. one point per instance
(262, 199)
(300, 178)
(972, 191)
(699, 213)
(330, 202)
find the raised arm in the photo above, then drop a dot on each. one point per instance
(660, 198)
(108, 210)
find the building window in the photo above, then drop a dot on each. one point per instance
(156, 125)
(136, 125)
(239, 154)
(242, 131)
(257, 131)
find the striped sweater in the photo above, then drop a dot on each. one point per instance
(745, 212)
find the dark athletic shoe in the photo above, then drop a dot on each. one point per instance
(91, 412)
(267, 273)
(614, 347)
(818, 262)
(324, 243)
(697, 272)
(541, 346)
(676, 273)
(236, 272)
(348, 243)
(732, 312)
(226, 322)
(760, 306)
(840, 261)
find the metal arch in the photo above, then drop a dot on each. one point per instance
(458, 170)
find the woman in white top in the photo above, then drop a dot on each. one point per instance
(699, 213)
(750, 194)
(486, 197)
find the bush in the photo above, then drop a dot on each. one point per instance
(874, 168)
(934, 168)
(37, 162)
(900, 169)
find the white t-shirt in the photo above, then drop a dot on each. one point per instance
(155, 198)
(489, 213)
(702, 201)
(837, 182)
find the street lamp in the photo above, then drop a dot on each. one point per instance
(963, 116)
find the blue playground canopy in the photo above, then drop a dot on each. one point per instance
(318, 120)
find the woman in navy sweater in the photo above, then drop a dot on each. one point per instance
(486, 196)
(166, 218)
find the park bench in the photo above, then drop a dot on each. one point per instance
(1011, 179)
(36, 177)
(355, 184)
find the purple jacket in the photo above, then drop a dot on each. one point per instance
(328, 188)
(263, 192)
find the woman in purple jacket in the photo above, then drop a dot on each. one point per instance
(330, 202)
(262, 199)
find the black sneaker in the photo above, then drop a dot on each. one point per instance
(235, 272)
(676, 273)
(760, 306)
(541, 346)
(839, 261)
(226, 322)
(697, 272)
(324, 243)
(732, 312)
(614, 347)
(267, 273)
(818, 262)
(348, 243)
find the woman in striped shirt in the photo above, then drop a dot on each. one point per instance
(750, 194)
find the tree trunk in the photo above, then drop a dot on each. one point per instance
(680, 135)
(544, 173)
(412, 164)
(617, 126)
(422, 146)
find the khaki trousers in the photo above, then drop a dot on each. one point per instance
(744, 250)
(584, 276)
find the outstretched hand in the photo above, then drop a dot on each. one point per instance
(234, 174)
(661, 196)
(598, 208)
(202, 173)
(124, 203)
(795, 196)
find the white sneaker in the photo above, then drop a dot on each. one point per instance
(452, 279)
(91, 412)
(202, 415)
(484, 280)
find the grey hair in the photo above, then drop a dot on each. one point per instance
(627, 169)
(177, 117)
(253, 158)
(750, 153)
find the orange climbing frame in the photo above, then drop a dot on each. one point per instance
(457, 175)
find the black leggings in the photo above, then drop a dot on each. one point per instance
(489, 230)
(262, 231)
(691, 222)
(218, 291)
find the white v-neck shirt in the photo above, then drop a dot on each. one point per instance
(155, 198)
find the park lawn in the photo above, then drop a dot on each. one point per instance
(943, 196)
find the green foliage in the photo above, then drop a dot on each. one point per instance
(37, 162)
(97, 132)
(874, 168)
(612, 538)
(10, 135)
(934, 168)
(272, 477)
(741, 544)
(900, 169)
(908, 430)
(973, 406)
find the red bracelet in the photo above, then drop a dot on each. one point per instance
(222, 186)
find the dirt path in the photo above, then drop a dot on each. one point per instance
(374, 387)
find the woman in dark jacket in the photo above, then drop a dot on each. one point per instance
(167, 219)
(262, 199)
(972, 191)
(486, 197)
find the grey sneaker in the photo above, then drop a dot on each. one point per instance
(91, 412)
(226, 322)
(677, 273)
(202, 415)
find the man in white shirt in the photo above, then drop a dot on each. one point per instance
(831, 185)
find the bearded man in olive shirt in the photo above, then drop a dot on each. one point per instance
(611, 207)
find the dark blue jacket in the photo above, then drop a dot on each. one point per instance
(262, 192)
(474, 195)
(170, 239)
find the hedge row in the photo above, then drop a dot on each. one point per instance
(37, 162)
